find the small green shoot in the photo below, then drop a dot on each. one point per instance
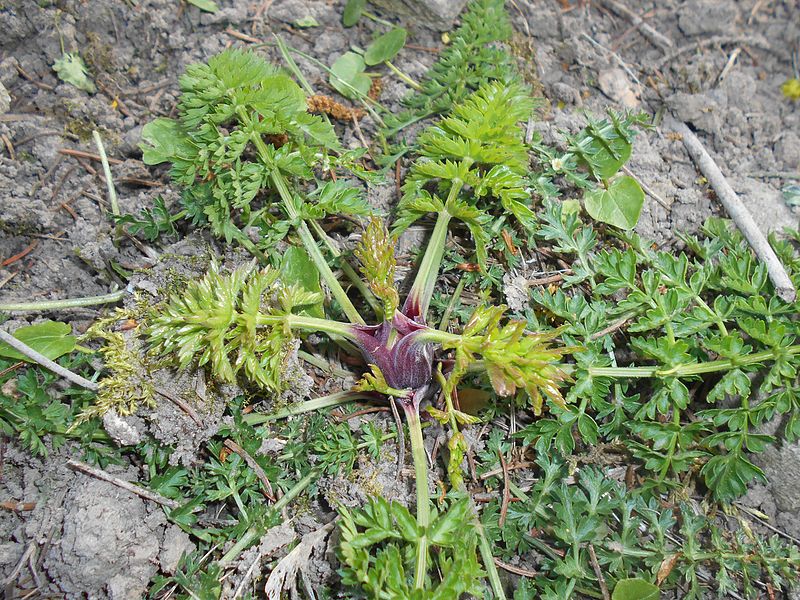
(71, 69)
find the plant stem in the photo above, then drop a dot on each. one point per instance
(452, 304)
(348, 270)
(308, 240)
(403, 76)
(307, 406)
(423, 500)
(112, 192)
(257, 530)
(419, 298)
(59, 304)
(309, 324)
(689, 370)
(327, 275)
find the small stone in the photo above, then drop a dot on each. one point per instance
(437, 14)
(5, 100)
(615, 84)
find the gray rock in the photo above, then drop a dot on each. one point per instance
(765, 204)
(781, 464)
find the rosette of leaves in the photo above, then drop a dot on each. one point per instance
(245, 148)
(472, 167)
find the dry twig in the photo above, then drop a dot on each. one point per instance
(656, 38)
(738, 212)
(599, 573)
(45, 362)
(251, 462)
(76, 465)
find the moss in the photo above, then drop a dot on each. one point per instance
(128, 384)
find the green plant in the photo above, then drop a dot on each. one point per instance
(35, 412)
(714, 315)
(472, 58)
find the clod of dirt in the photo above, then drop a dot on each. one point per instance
(616, 84)
(109, 544)
(707, 16)
(126, 431)
(175, 545)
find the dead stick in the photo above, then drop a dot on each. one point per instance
(76, 465)
(45, 362)
(738, 212)
(599, 573)
(251, 462)
(651, 34)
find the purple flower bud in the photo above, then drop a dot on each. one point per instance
(392, 346)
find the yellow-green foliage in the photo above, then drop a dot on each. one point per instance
(791, 89)
(127, 386)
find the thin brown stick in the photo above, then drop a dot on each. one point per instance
(519, 465)
(20, 255)
(243, 36)
(76, 465)
(599, 573)
(358, 413)
(506, 491)
(182, 405)
(657, 39)
(89, 155)
(611, 328)
(45, 362)
(737, 211)
(546, 280)
(251, 462)
(514, 569)
(36, 82)
(9, 147)
(647, 189)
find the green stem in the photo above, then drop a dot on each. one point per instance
(423, 500)
(689, 370)
(308, 240)
(257, 530)
(112, 192)
(403, 76)
(357, 282)
(327, 275)
(59, 304)
(305, 407)
(304, 323)
(452, 304)
(422, 290)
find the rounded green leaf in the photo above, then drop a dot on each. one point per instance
(50, 338)
(352, 12)
(619, 204)
(348, 77)
(386, 46)
(635, 589)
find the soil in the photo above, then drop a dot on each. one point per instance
(87, 538)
